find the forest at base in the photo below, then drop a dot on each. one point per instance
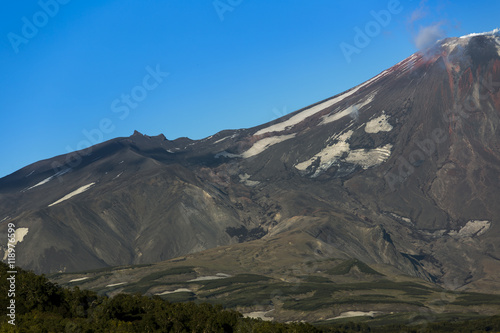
(42, 306)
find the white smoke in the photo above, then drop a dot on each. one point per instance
(354, 113)
(427, 36)
(427, 33)
(419, 13)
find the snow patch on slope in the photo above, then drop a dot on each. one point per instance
(402, 218)
(379, 124)
(245, 179)
(259, 315)
(226, 154)
(46, 180)
(350, 111)
(19, 235)
(179, 290)
(72, 194)
(115, 284)
(296, 119)
(367, 158)
(472, 228)
(208, 278)
(225, 138)
(79, 279)
(340, 152)
(301, 116)
(329, 154)
(350, 314)
(261, 145)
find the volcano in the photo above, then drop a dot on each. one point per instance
(402, 170)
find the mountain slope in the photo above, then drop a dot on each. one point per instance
(401, 170)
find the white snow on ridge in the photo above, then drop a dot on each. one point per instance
(79, 279)
(489, 33)
(463, 40)
(180, 290)
(214, 277)
(220, 140)
(379, 124)
(299, 117)
(72, 194)
(351, 110)
(46, 180)
(117, 176)
(261, 145)
(115, 284)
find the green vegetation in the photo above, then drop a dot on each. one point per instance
(148, 281)
(172, 271)
(90, 279)
(184, 296)
(241, 278)
(477, 299)
(484, 324)
(42, 306)
(415, 323)
(315, 303)
(179, 270)
(346, 266)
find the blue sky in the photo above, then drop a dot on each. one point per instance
(75, 72)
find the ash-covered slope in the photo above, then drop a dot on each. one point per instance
(402, 169)
(128, 200)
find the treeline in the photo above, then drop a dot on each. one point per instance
(42, 306)
(489, 324)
